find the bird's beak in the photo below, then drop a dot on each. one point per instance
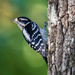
(14, 20)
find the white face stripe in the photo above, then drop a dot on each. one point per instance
(23, 19)
(26, 34)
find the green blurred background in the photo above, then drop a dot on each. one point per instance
(16, 56)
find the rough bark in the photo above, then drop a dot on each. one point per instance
(61, 37)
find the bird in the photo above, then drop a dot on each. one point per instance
(33, 34)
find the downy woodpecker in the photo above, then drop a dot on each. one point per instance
(35, 36)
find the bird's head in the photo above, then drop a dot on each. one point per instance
(21, 22)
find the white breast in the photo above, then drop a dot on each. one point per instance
(26, 34)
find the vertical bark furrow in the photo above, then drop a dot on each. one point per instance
(59, 46)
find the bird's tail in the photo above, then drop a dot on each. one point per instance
(45, 58)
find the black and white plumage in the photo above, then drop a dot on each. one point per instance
(35, 36)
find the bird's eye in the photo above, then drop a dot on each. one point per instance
(19, 19)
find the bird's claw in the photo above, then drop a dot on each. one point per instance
(45, 24)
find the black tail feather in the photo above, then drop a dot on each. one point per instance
(45, 58)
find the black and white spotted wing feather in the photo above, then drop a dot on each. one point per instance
(32, 35)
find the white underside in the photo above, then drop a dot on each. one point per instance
(26, 34)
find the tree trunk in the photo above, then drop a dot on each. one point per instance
(61, 37)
